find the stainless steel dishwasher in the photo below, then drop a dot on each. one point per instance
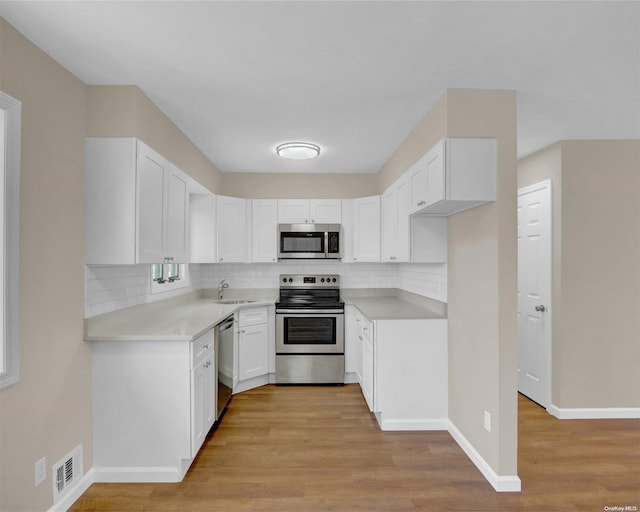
(224, 361)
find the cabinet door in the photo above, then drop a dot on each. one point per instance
(417, 179)
(367, 371)
(350, 342)
(203, 401)
(202, 221)
(264, 230)
(177, 241)
(198, 386)
(434, 165)
(403, 226)
(325, 211)
(390, 224)
(253, 347)
(366, 229)
(231, 229)
(293, 211)
(359, 340)
(150, 205)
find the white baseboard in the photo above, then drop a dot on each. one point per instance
(510, 483)
(350, 378)
(593, 413)
(71, 496)
(169, 474)
(390, 424)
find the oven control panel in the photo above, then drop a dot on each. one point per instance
(309, 281)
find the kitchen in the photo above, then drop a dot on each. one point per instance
(479, 241)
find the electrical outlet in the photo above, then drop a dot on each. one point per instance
(41, 470)
(487, 421)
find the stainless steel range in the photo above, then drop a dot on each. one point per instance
(309, 330)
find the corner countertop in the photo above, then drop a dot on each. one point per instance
(394, 304)
(181, 318)
(185, 317)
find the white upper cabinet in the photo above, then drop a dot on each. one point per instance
(309, 211)
(396, 242)
(136, 204)
(325, 211)
(231, 215)
(455, 175)
(203, 225)
(365, 229)
(264, 230)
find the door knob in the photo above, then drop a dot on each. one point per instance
(540, 308)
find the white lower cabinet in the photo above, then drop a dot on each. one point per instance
(153, 404)
(204, 391)
(351, 352)
(255, 327)
(403, 371)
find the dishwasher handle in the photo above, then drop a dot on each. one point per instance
(225, 324)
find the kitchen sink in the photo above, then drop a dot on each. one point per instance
(234, 301)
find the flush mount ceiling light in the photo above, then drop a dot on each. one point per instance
(298, 150)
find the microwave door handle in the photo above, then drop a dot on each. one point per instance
(326, 244)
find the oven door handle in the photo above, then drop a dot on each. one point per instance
(310, 311)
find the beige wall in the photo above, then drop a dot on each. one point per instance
(482, 278)
(298, 186)
(48, 412)
(482, 288)
(125, 111)
(424, 136)
(596, 291)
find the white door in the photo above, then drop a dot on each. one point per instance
(534, 292)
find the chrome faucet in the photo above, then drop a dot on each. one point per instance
(222, 285)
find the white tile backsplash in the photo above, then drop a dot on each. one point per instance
(112, 287)
(109, 288)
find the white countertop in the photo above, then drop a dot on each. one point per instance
(180, 319)
(187, 316)
(393, 304)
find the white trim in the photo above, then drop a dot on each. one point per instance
(509, 483)
(10, 342)
(591, 413)
(72, 495)
(391, 424)
(533, 188)
(138, 474)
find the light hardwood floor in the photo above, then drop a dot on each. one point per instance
(307, 449)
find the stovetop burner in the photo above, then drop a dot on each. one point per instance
(309, 292)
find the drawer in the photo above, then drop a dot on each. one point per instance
(253, 316)
(201, 347)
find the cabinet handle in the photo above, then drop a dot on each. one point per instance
(168, 258)
(221, 259)
(205, 347)
(306, 221)
(313, 221)
(355, 259)
(360, 338)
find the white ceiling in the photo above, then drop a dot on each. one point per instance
(240, 77)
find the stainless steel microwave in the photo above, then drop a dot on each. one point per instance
(307, 241)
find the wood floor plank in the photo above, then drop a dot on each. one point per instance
(312, 449)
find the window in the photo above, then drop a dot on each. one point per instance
(168, 276)
(10, 118)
